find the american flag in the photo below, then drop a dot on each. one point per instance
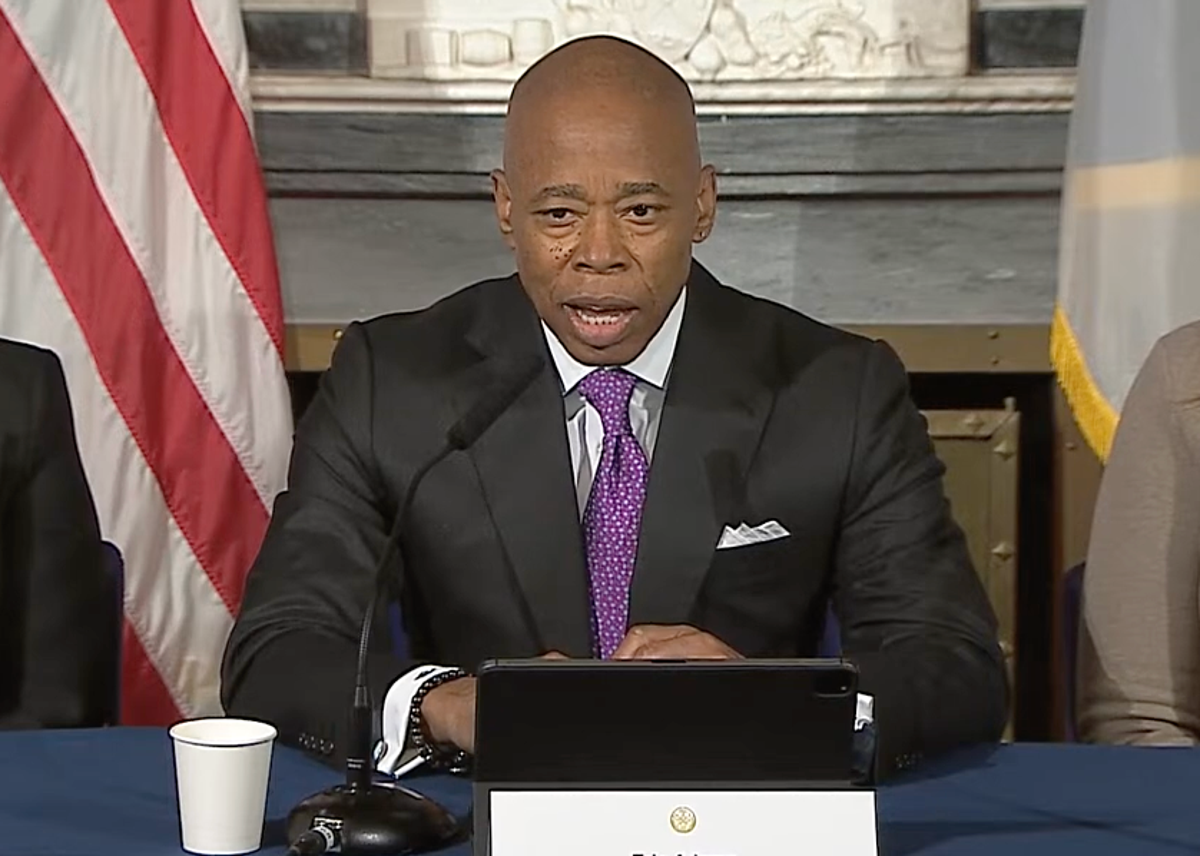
(135, 242)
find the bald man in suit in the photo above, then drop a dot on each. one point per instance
(598, 516)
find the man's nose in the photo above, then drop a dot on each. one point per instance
(601, 249)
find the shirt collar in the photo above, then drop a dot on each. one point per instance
(651, 365)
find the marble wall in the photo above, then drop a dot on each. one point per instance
(909, 219)
(880, 161)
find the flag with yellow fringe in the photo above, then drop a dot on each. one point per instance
(1129, 263)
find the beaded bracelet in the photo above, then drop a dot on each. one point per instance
(448, 758)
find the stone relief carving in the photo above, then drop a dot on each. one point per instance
(706, 40)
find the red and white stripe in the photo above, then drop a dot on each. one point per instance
(135, 242)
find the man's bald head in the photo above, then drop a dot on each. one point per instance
(605, 60)
(602, 194)
(599, 70)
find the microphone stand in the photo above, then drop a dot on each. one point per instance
(364, 815)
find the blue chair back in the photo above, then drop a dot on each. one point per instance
(396, 627)
(1072, 595)
(114, 566)
(831, 637)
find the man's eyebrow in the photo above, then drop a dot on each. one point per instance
(574, 191)
(561, 191)
(641, 188)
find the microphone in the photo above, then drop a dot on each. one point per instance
(363, 816)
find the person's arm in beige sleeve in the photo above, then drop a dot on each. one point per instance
(1139, 639)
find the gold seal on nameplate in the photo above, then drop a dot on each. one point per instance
(683, 820)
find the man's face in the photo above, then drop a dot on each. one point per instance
(601, 204)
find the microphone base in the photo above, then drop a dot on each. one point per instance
(380, 819)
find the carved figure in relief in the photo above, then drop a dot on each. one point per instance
(716, 40)
(753, 39)
(671, 28)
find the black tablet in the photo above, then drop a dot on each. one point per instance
(771, 723)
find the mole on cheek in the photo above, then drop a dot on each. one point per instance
(560, 252)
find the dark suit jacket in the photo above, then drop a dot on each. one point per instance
(768, 415)
(56, 603)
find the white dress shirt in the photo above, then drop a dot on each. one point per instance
(585, 433)
(585, 436)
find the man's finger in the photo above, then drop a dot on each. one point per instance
(628, 647)
(644, 634)
(635, 637)
(664, 631)
(681, 648)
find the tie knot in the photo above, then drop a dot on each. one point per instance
(609, 391)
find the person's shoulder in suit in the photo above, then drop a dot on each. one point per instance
(25, 371)
(785, 338)
(15, 354)
(438, 337)
(757, 311)
(32, 388)
(54, 634)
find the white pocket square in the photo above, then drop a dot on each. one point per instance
(745, 535)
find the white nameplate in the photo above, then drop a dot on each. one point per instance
(693, 823)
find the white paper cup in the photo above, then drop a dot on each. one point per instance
(221, 769)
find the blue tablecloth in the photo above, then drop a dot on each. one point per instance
(111, 793)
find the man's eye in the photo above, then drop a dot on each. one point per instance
(641, 211)
(558, 213)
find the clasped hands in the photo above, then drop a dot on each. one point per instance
(449, 710)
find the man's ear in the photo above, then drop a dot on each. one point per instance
(502, 198)
(706, 204)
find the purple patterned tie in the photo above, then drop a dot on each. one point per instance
(613, 516)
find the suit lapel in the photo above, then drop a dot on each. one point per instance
(713, 416)
(524, 464)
